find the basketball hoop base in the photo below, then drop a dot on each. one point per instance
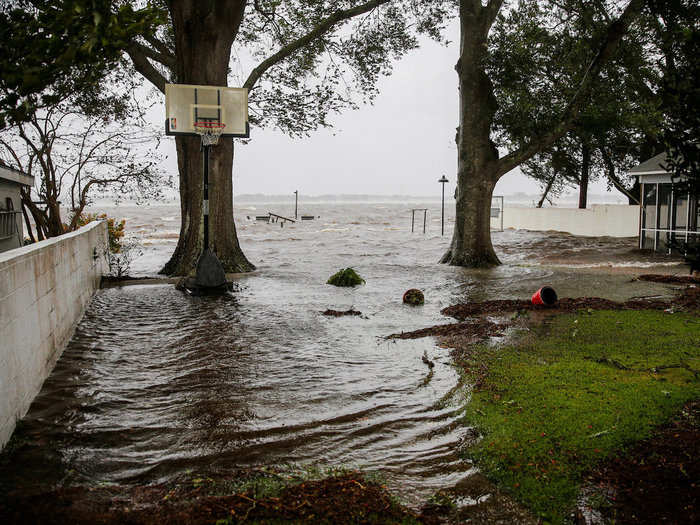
(210, 278)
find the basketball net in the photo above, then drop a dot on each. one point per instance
(210, 132)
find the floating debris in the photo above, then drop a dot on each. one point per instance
(346, 278)
(339, 313)
(413, 297)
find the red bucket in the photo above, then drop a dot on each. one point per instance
(545, 295)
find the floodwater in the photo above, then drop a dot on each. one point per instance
(156, 384)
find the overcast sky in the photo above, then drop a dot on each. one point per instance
(400, 145)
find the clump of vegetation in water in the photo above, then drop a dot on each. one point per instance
(413, 297)
(346, 277)
(574, 393)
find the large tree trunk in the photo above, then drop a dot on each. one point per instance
(222, 230)
(204, 34)
(477, 155)
(479, 166)
(471, 242)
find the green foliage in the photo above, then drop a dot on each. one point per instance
(645, 100)
(83, 144)
(536, 55)
(57, 47)
(346, 277)
(337, 69)
(573, 394)
(679, 38)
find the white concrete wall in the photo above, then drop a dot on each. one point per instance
(613, 220)
(44, 289)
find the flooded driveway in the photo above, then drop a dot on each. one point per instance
(156, 384)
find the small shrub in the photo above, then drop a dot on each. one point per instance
(121, 251)
(346, 277)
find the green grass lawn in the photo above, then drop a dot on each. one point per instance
(574, 392)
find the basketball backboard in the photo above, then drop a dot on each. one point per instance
(186, 104)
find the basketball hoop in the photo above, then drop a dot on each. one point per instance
(210, 132)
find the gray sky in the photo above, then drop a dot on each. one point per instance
(400, 145)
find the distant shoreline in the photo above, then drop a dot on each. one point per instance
(516, 199)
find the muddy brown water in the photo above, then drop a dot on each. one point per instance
(155, 384)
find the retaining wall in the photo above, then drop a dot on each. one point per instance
(613, 220)
(44, 289)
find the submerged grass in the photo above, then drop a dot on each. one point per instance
(576, 391)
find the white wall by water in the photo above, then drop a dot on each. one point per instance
(44, 289)
(613, 220)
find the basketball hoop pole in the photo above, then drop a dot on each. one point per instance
(209, 132)
(205, 204)
(210, 275)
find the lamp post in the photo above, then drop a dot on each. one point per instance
(442, 181)
(296, 202)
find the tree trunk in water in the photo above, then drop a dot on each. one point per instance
(204, 34)
(585, 173)
(471, 242)
(222, 230)
(477, 155)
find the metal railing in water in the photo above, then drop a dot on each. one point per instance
(8, 224)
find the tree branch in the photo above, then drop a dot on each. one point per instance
(144, 67)
(161, 47)
(270, 17)
(610, 173)
(616, 31)
(168, 60)
(492, 9)
(321, 29)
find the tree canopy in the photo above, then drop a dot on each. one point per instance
(645, 99)
(676, 24)
(533, 94)
(303, 60)
(52, 48)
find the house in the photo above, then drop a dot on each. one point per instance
(666, 215)
(11, 226)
